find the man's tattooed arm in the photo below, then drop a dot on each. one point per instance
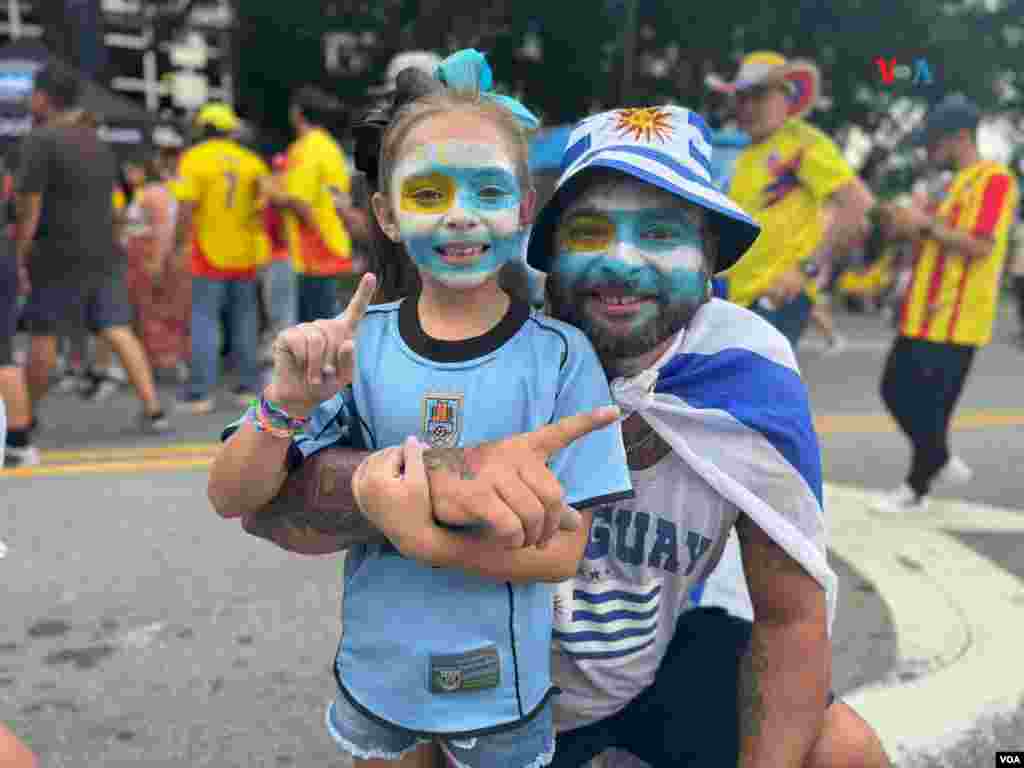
(751, 698)
(335, 523)
(784, 676)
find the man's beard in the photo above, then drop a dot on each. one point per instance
(612, 346)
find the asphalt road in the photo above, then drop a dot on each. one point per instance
(138, 628)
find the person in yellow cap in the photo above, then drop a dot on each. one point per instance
(220, 233)
(787, 178)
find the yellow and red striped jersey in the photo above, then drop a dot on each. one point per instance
(953, 299)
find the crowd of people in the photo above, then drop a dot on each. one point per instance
(153, 268)
(652, 574)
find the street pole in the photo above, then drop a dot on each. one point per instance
(628, 52)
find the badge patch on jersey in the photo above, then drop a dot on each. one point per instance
(442, 420)
(472, 671)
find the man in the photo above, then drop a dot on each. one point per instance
(317, 187)
(220, 232)
(65, 242)
(720, 435)
(13, 388)
(785, 178)
(949, 309)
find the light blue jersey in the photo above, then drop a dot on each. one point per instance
(436, 650)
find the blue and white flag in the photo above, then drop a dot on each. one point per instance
(728, 398)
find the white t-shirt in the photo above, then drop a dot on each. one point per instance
(615, 619)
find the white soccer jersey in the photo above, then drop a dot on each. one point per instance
(615, 620)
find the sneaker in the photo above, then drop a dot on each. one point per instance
(117, 374)
(155, 424)
(69, 382)
(898, 501)
(17, 458)
(181, 370)
(835, 345)
(244, 396)
(196, 405)
(953, 473)
(99, 387)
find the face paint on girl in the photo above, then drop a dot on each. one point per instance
(630, 266)
(457, 205)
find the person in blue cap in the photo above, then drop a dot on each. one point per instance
(719, 437)
(962, 240)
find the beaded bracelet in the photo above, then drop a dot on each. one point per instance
(276, 422)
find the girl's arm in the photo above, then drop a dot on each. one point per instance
(248, 472)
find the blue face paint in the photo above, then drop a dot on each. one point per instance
(647, 252)
(461, 195)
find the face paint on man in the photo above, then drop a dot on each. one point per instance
(630, 269)
(457, 205)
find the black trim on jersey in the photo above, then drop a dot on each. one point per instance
(556, 331)
(600, 501)
(450, 734)
(443, 351)
(512, 644)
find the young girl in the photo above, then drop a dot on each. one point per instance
(158, 286)
(434, 651)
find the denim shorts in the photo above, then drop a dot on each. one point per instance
(531, 745)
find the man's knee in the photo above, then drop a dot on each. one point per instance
(847, 741)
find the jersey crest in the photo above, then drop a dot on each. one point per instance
(442, 420)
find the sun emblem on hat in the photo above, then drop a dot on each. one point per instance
(644, 124)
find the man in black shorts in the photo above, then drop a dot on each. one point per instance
(65, 241)
(13, 391)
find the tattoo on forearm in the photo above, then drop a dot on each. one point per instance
(336, 512)
(451, 459)
(751, 697)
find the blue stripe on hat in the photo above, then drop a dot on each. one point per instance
(573, 152)
(657, 156)
(698, 122)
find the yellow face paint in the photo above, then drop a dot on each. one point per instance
(433, 193)
(586, 234)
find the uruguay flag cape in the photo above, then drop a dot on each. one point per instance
(728, 398)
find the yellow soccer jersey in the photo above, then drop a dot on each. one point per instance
(783, 183)
(317, 174)
(952, 299)
(222, 178)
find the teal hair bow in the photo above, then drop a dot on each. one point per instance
(468, 70)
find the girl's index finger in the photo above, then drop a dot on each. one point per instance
(356, 309)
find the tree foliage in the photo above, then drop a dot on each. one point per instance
(973, 46)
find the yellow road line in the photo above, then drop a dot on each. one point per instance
(880, 423)
(111, 467)
(156, 451)
(191, 456)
